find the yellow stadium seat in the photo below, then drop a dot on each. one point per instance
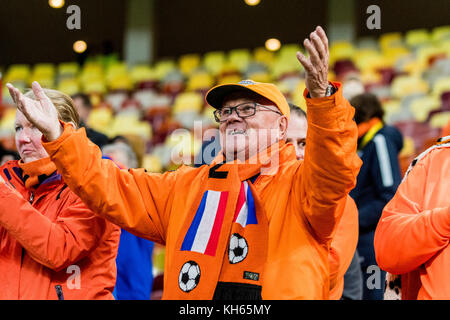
(189, 62)
(163, 67)
(440, 119)
(240, 58)
(152, 163)
(417, 37)
(421, 106)
(340, 50)
(391, 39)
(440, 86)
(7, 122)
(264, 56)
(289, 50)
(69, 69)
(125, 123)
(441, 33)
(393, 54)
(69, 86)
(200, 81)
(94, 86)
(115, 69)
(408, 147)
(140, 73)
(44, 70)
(208, 113)
(425, 53)
(214, 61)
(17, 72)
(260, 76)
(391, 108)
(183, 146)
(121, 82)
(188, 101)
(233, 78)
(405, 85)
(100, 119)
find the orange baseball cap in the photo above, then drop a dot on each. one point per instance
(216, 95)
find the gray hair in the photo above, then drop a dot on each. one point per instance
(130, 159)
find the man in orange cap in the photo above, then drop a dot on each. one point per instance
(255, 223)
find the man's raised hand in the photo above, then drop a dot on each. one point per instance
(316, 65)
(41, 112)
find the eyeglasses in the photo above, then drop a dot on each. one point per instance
(243, 110)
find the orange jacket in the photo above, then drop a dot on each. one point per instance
(54, 241)
(342, 248)
(412, 236)
(303, 200)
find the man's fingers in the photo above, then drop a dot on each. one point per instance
(323, 37)
(313, 54)
(319, 46)
(305, 62)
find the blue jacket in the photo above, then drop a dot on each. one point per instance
(378, 180)
(134, 268)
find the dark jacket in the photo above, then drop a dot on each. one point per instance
(377, 183)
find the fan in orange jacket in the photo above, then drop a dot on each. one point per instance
(51, 245)
(412, 236)
(254, 224)
(343, 245)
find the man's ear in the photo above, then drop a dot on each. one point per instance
(282, 126)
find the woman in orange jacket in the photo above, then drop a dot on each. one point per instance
(412, 236)
(51, 245)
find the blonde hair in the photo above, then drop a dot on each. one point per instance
(63, 104)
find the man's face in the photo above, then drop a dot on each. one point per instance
(296, 134)
(242, 138)
(28, 140)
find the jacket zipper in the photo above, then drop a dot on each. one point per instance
(59, 292)
(31, 198)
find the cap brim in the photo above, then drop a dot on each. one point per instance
(216, 95)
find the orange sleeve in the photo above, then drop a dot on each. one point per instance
(135, 200)
(407, 235)
(331, 164)
(74, 234)
(343, 247)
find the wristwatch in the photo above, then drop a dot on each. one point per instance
(328, 92)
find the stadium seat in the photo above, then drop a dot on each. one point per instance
(264, 56)
(200, 81)
(152, 163)
(17, 73)
(391, 39)
(405, 85)
(188, 63)
(439, 34)
(164, 67)
(213, 61)
(440, 86)
(421, 106)
(188, 101)
(341, 50)
(68, 86)
(100, 119)
(240, 58)
(439, 118)
(67, 70)
(417, 37)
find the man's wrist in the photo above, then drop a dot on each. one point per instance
(329, 91)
